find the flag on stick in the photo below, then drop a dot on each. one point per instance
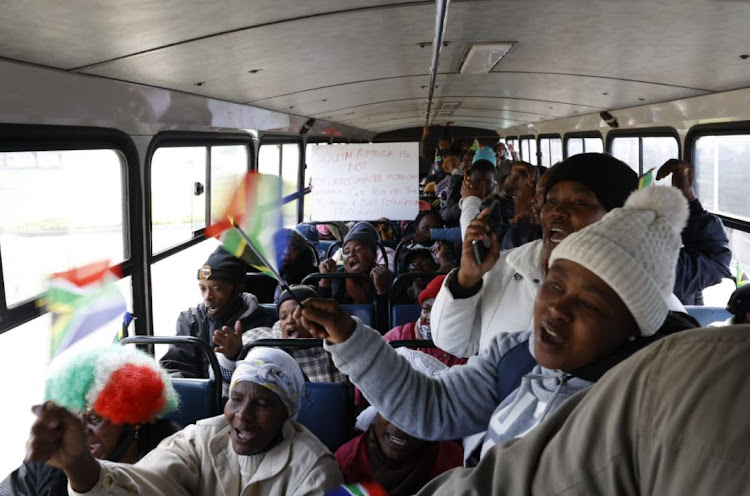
(81, 300)
(646, 179)
(438, 157)
(475, 146)
(742, 277)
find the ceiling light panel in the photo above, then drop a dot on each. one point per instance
(480, 58)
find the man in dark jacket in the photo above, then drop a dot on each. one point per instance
(705, 255)
(221, 282)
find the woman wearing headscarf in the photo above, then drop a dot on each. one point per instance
(256, 447)
(385, 454)
(116, 393)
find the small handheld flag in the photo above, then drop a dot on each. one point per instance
(363, 489)
(475, 146)
(438, 157)
(742, 277)
(81, 300)
(646, 179)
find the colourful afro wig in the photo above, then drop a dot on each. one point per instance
(120, 383)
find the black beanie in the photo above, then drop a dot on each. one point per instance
(610, 179)
(301, 291)
(365, 233)
(223, 265)
(739, 302)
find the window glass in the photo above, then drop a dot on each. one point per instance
(307, 207)
(593, 145)
(551, 151)
(60, 209)
(532, 159)
(228, 167)
(290, 177)
(178, 199)
(656, 151)
(721, 164)
(626, 149)
(269, 159)
(574, 146)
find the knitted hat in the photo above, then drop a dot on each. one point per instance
(301, 291)
(365, 233)
(419, 361)
(223, 265)
(120, 383)
(485, 153)
(634, 250)
(429, 188)
(610, 179)
(431, 290)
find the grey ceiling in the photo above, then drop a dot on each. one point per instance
(358, 62)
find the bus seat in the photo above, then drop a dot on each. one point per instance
(401, 314)
(326, 410)
(707, 315)
(271, 308)
(364, 311)
(322, 248)
(197, 400)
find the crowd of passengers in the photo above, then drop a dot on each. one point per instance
(578, 270)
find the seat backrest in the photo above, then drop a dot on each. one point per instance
(707, 315)
(322, 248)
(401, 314)
(271, 308)
(327, 411)
(366, 312)
(261, 285)
(197, 400)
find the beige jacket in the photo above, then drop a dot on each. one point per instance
(672, 420)
(199, 460)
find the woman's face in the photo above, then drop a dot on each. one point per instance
(358, 258)
(290, 327)
(101, 434)
(395, 444)
(578, 318)
(255, 415)
(424, 314)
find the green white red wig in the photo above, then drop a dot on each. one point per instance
(120, 383)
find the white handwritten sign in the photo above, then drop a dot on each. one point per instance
(364, 181)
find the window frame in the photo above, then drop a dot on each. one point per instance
(273, 139)
(520, 147)
(539, 147)
(30, 138)
(651, 132)
(176, 139)
(718, 129)
(582, 135)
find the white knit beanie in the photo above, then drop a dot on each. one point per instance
(634, 250)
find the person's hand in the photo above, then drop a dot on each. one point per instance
(469, 188)
(425, 131)
(683, 176)
(327, 266)
(379, 276)
(228, 341)
(57, 438)
(417, 237)
(325, 319)
(470, 272)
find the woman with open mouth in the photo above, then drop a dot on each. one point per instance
(256, 447)
(603, 298)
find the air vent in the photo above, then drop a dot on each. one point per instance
(480, 58)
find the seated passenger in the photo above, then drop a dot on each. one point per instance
(316, 363)
(415, 261)
(453, 175)
(421, 329)
(503, 160)
(221, 283)
(705, 256)
(256, 447)
(385, 454)
(739, 306)
(297, 261)
(478, 183)
(604, 297)
(479, 301)
(359, 252)
(525, 226)
(117, 393)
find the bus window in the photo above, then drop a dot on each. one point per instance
(721, 164)
(307, 206)
(551, 151)
(290, 162)
(576, 145)
(643, 153)
(528, 150)
(269, 159)
(178, 199)
(228, 167)
(61, 209)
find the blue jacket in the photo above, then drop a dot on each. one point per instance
(705, 255)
